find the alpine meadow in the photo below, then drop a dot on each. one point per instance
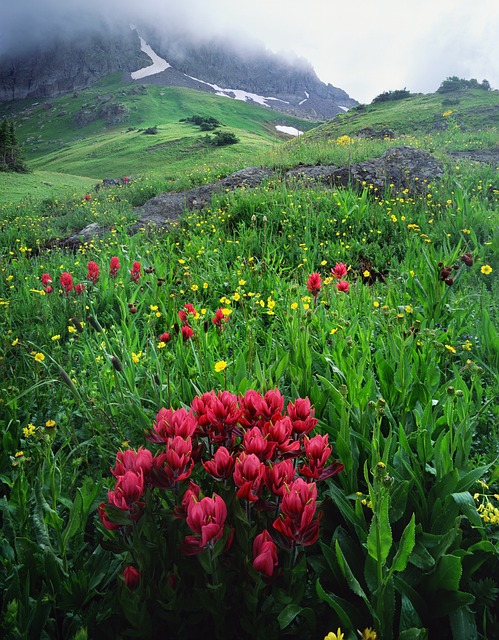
(270, 412)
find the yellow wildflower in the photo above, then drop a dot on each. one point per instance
(339, 635)
(39, 357)
(486, 269)
(29, 430)
(220, 366)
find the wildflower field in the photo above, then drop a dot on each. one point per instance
(278, 419)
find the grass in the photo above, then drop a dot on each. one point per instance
(402, 372)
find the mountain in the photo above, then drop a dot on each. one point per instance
(221, 66)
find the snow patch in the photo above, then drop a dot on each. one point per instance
(291, 131)
(307, 97)
(238, 94)
(158, 64)
(344, 108)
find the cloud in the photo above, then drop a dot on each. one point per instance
(363, 47)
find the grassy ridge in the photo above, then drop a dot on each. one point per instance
(473, 110)
(52, 140)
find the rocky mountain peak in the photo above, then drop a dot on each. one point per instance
(252, 73)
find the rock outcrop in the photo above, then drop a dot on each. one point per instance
(405, 168)
(68, 64)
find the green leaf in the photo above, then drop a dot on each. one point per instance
(463, 624)
(468, 479)
(415, 608)
(379, 539)
(80, 509)
(289, 613)
(335, 603)
(352, 581)
(449, 601)
(344, 450)
(413, 634)
(447, 574)
(407, 542)
(421, 557)
(409, 617)
(467, 505)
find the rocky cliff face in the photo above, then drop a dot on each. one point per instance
(68, 65)
(291, 80)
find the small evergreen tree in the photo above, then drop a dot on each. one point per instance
(3, 145)
(10, 154)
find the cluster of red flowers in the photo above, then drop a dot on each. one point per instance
(339, 271)
(93, 275)
(135, 271)
(184, 315)
(93, 272)
(66, 281)
(250, 443)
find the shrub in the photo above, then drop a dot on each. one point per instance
(222, 138)
(387, 96)
(453, 83)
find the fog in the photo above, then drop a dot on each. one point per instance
(363, 47)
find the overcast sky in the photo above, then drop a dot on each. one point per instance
(363, 46)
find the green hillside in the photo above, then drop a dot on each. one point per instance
(471, 110)
(77, 140)
(75, 135)
(463, 121)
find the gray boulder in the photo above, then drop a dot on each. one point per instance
(403, 167)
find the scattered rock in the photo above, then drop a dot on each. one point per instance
(166, 208)
(114, 113)
(111, 182)
(488, 156)
(402, 167)
(375, 134)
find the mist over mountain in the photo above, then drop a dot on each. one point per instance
(73, 58)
